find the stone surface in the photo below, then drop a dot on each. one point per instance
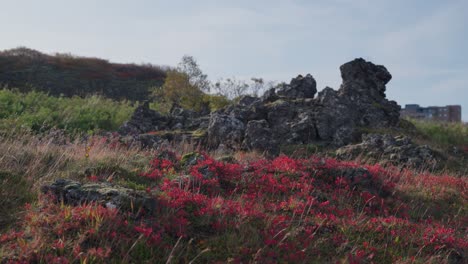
(225, 129)
(387, 149)
(258, 136)
(299, 87)
(294, 116)
(73, 192)
(291, 115)
(144, 120)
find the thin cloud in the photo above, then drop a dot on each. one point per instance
(422, 43)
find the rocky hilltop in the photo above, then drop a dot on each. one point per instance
(292, 114)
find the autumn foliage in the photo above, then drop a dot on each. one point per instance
(267, 211)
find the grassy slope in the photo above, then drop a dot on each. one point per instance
(283, 210)
(268, 211)
(443, 134)
(68, 75)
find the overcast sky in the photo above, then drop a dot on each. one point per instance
(423, 43)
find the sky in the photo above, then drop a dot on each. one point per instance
(423, 43)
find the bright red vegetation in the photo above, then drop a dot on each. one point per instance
(269, 211)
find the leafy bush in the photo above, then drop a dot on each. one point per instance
(38, 111)
(216, 102)
(178, 90)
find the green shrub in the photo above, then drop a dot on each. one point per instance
(216, 101)
(37, 111)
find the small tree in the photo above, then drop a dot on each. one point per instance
(197, 78)
(177, 90)
(257, 86)
(231, 87)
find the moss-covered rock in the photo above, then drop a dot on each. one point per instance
(190, 159)
(106, 194)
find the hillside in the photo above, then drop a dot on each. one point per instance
(124, 205)
(294, 176)
(67, 75)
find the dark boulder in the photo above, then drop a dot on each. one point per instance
(359, 103)
(269, 96)
(259, 136)
(280, 113)
(368, 75)
(144, 120)
(303, 130)
(299, 87)
(333, 117)
(225, 129)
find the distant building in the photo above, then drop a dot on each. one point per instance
(449, 113)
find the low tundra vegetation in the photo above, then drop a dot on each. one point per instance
(38, 112)
(443, 134)
(284, 210)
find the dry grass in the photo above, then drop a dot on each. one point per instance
(338, 222)
(44, 159)
(28, 161)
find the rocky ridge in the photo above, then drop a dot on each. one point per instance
(292, 114)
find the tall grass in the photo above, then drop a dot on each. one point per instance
(443, 134)
(27, 161)
(245, 211)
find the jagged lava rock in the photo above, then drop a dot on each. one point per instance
(370, 77)
(225, 129)
(292, 114)
(387, 149)
(299, 87)
(359, 103)
(259, 136)
(144, 120)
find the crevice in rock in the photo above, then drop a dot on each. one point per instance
(317, 131)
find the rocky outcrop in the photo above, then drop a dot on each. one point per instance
(300, 87)
(225, 129)
(359, 103)
(259, 136)
(144, 120)
(290, 115)
(387, 149)
(150, 129)
(105, 194)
